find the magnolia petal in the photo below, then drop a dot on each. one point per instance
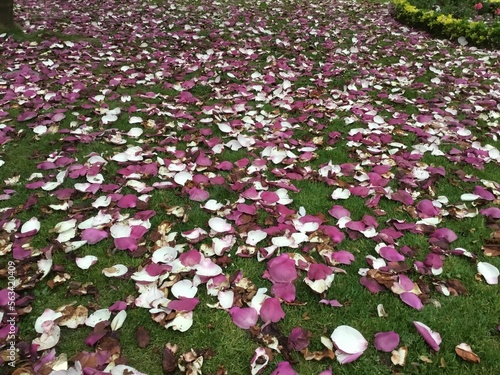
(386, 341)
(115, 271)
(489, 272)
(433, 339)
(255, 236)
(93, 235)
(48, 339)
(412, 300)
(398, 357)
(244, 317)
(32, 225)
(259, 361)
(271, 310)
(465, 352)
(86, 262)
(182, 322)
(219, 225)
(349, 340)
(343, 357)
(184, 289)
(48, 315)
(284, 368)
(118, 320)
(98, 316)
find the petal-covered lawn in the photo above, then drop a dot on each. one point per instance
(245, 187)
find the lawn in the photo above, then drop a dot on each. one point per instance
(245, 187)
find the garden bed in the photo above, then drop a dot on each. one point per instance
(468, 22)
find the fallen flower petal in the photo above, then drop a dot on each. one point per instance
(245, 317)
(433, 339)
(349, 340)
(465, 352)
(284, 368)
(386, 341)
(489, 272)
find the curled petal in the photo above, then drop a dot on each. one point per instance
(433, 339)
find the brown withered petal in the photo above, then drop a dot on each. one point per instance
(142, 337)
(465, 352)
(169, 359)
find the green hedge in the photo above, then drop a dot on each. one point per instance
(477, 33)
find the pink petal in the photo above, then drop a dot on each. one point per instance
(318, 271)
(483, 193)
(284, 291)
(391, 254)
(338, 211)
(245, 317)
(402, 196)
(284, 368)
(427, 209)
(412, 300)
(271, 310)
(333, 232)
(386, 341)
(299, 338)
(190, 258)
(126, 243)
(433, 339)
(371, 285)
(343, 257)
(93, 235)
(444, 234)
(491, 212)
(344, 358)
(282, 269)
(127, 201)
(269, 197)
(332, 302)
(198, 195)
(207, 268)
(184, 304)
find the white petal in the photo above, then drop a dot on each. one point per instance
(115, 271)
(182, 177)
(97, 317)
(349, 340)
(48, 315)
(118, 320)
(340, 193)
(135, 120)
(219, 225)
(49, 339)
(489, 272)
(255, 236)
(184, 288)
(182, 322)
(31, 224)
(120, 230)
(63, 226)
(164, 254)
(85, 262)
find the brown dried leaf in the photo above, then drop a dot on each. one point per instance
(456, 286)
(491, 249)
